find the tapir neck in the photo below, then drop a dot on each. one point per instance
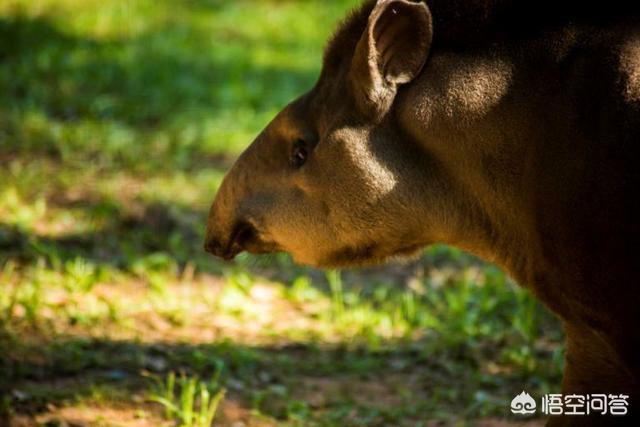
(461, 112)
(538, 160)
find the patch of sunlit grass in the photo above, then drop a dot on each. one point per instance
(190, 401)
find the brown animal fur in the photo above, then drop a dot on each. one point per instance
(517, 140)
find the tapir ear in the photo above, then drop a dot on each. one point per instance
(391, 51)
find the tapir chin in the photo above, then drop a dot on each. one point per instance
(510, 129)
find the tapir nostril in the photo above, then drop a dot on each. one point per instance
(243, 233)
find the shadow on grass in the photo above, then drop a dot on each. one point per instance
(389, 385)
(159, 93)
(425, 376)
(122, 240)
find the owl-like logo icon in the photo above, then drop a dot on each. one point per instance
(523, 404)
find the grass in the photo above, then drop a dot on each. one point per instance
(193, 403)
(117, 122)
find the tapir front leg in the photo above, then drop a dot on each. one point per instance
(593, 366)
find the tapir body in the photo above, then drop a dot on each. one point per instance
(509, 131)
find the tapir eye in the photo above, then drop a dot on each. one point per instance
(299, 153)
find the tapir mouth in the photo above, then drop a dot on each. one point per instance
(243, 233)
(244, 237)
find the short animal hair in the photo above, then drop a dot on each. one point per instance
(462, 24)
(344, 40)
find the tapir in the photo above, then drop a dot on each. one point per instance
(510, 129)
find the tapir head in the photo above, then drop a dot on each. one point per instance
(332, 180)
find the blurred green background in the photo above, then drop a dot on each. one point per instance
(118, 119)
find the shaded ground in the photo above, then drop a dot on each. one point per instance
(288, 355)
